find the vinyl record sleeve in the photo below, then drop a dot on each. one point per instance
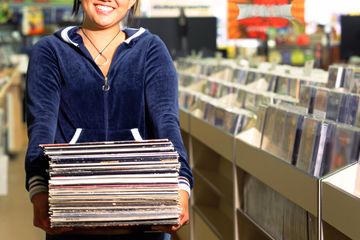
(219, 117)
(113, 166)
(108, 150)
(240, 76)
(271, 79)
(251, 77)
(332, 77)
(320, 103)
(278, 134)
(349, 107)
(355, 81)
(269, 129)
(113, 183)
(210, 113)
(336, 76)
(323, 148)
(283, 86)
(116, 223)
(294, 89)
(296, 144)
(345, 148)
(91, 172)
(307, 97)
(308, 144)
(259, 127)
(295, 222)
(190, 101)
(250, 101)
(105, 144)
(335, 100)
(253, 135)
(290, 131)
(231, 122)
(240, 99)
(125, 158)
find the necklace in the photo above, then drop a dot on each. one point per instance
(100, 53)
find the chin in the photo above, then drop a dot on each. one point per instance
(102, 23)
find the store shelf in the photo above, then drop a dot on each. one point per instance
(215, 210)
(249, 229)
(218, 222)
(4, 89)
(184, 232)
(341, 201)
(203, 231)
(292, 183)
(222, 186)
(184, 119)
(11, 100)
(216, 139)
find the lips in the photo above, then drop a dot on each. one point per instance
(103, 8)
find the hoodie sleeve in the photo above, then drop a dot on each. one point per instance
(161, 93)
(42, 106)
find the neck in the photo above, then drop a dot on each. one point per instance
(96, 32)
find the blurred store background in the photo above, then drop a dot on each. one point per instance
(310, 34)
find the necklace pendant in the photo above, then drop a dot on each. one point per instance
(101, 60)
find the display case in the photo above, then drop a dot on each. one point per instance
(11, 103)
(281, 176)
(213, 173)
(222, 162)
(341, 202)
(259, 163)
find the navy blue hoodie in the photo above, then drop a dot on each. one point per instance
(65, 91)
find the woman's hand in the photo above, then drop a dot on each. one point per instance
(41, 214)
(184, 215)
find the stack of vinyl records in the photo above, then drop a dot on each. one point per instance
(125, 183)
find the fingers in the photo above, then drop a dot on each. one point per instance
(44, 224)
(41, 215)
(183, 220)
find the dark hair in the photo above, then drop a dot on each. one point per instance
(76, 7)
(77, 4)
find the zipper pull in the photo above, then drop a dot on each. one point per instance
(106, 86)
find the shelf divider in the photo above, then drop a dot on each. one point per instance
(292, 183)
(184, 120)
(340, 207)
(215, 138)
(218, 222)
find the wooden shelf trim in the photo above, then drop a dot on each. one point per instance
(213, 137)
(292, 183)
(184, 120)
(253, 222)
(218, 222)
(218, 183)
(341, 210)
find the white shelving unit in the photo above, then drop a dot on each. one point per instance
(220, 163)
(284, 178)
(341, 201)
(11, 102)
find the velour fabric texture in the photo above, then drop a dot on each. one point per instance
(65, 91)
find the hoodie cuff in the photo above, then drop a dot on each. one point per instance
(184, 185)
(37, 184)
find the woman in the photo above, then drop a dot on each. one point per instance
(105, 81)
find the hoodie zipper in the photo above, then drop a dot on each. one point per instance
(106, 88)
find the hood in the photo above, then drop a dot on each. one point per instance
(69, 35)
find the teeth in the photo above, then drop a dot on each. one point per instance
(104, 8)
